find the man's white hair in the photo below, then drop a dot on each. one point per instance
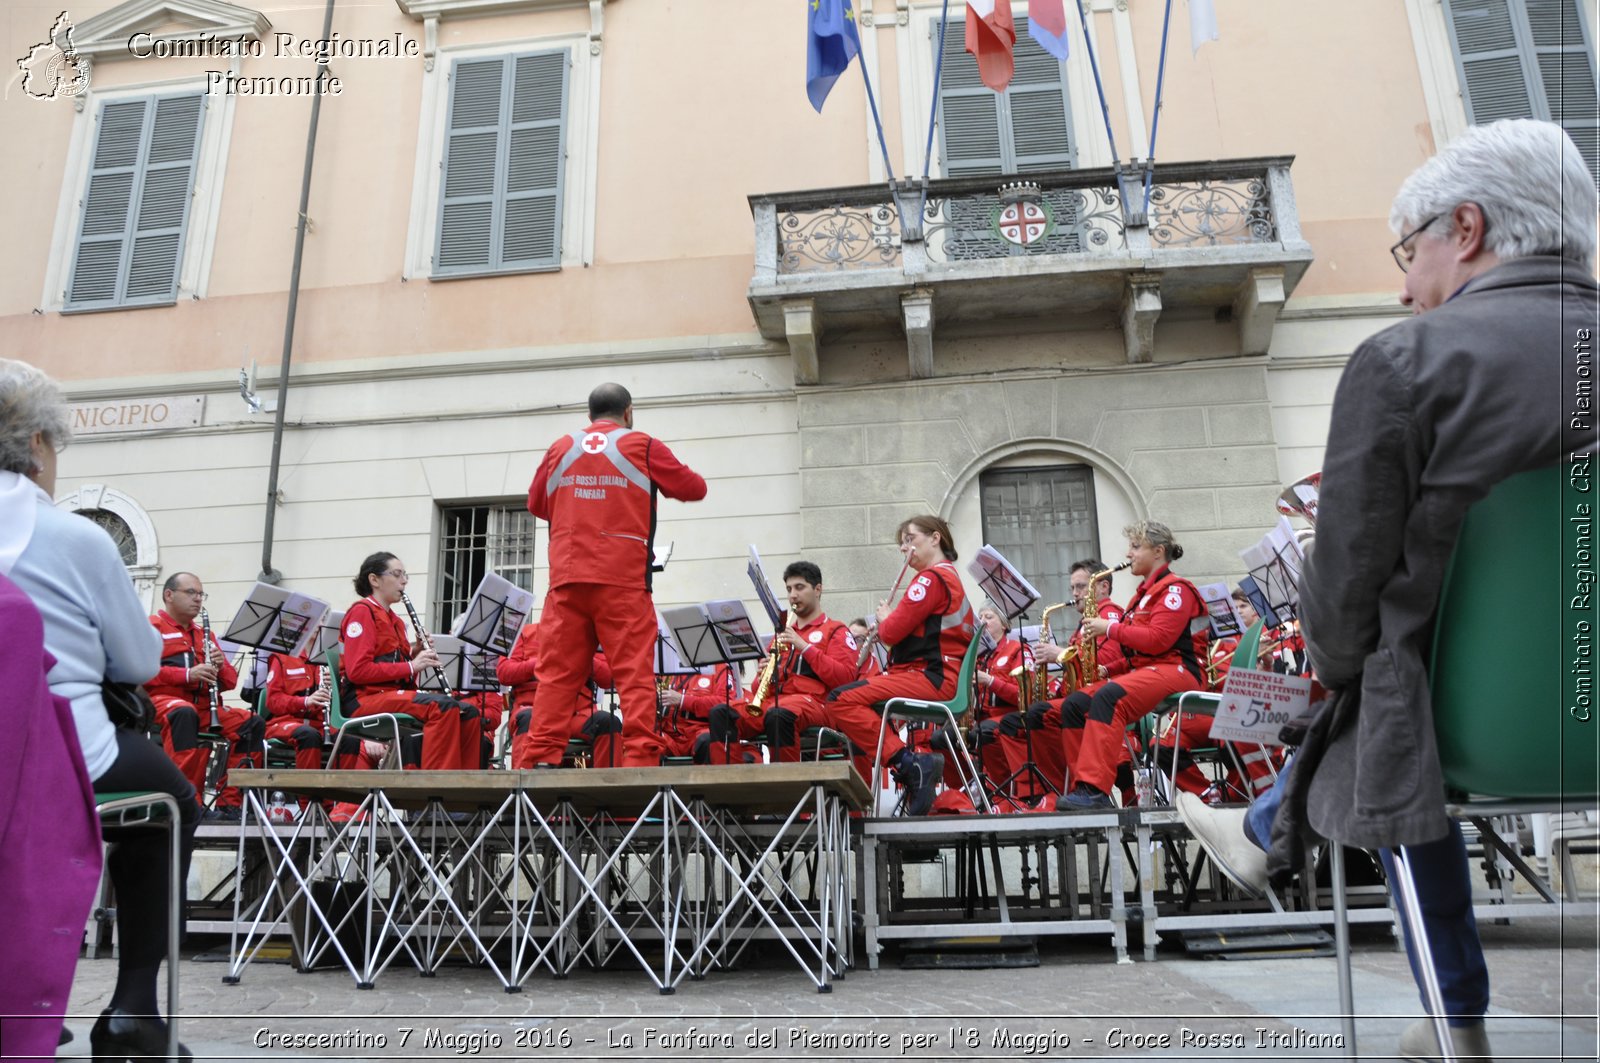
(1537, 196)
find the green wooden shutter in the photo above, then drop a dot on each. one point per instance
(1041, 124)
(969, 114)
(129, 249)
(505, 145)
(1527, 59)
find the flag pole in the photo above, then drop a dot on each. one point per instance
(1155, 111)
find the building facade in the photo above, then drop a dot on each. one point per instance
(514, 200)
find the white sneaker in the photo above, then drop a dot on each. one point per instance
(1220, 831)
(1420, 1043)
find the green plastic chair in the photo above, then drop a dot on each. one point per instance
(144, 809)
(919, 711)
(379, 726)
(1548, 758)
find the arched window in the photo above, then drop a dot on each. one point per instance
(119, 531)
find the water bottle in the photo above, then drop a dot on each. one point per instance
(1144, 789)
(278, 810)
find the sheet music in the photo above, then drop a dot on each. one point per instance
(659, 557)
(668, 660)
(1006, 587)
(734, 629)
(769, 601)
(693, 634)
(276, 619)
(477, 670)
(1275, 563)
(495, 614)
(1258, 602)
(324, 637)
(1225, 619)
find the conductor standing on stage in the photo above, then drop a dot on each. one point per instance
(597, 489)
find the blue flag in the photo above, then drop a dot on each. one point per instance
(831, 42)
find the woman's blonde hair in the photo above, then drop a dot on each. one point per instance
(1154, 533)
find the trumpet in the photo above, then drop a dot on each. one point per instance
(427, 642)
(765, 682)
(215, 688)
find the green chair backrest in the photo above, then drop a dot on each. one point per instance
(1249, 648)
(969, 665)
(336, 716)
(1502, 651)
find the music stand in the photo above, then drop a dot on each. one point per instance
(495, 614)
(769, 601)
(475, 672)
(659, 556)
(326, 637)
(713, 633)
(1225, 620)
(1258, 602)
(451, 650)
(276, 620)
(1274, 564)
(1007, 588)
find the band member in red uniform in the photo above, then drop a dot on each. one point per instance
(182, 692)
(996, 695)
(927, 634)
(1043, 718)
(380, 664)
(297, 707)
(597, 489)
(491, 710)
(519, 671)
(1159, 657)
(873, 664)
(687, 703)
(815, 654)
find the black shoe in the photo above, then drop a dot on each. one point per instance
(919, 774)
(224, 814)
(120, 1036)
(1084, 798)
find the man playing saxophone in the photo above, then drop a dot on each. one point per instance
(1042, 716)
(809, 657)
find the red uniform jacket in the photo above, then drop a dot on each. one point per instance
(290, 683)
(1000, 697)
(1162, 625)
(828, 661)
(596, 488)
(377, 650)
(491, 707)
(180, 651)
(933, 625)
(516, 669)
(1106, 651)
(702, 693)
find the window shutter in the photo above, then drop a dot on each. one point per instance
(1527, 59)
(500, 206)
(1025, 129)
(136, 208)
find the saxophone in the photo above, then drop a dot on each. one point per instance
(1088, 651)
(1033, 681)
(765, 682)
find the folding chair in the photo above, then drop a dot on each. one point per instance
(380, 726)
(1548, 759)
(144, 809)
(1204, 703)
(917, 710)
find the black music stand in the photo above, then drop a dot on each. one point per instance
(495, 614)
(276, 620)
(1007, 588)
(475, 670)
(326, 638)
(1225, 621)
(1274, 566)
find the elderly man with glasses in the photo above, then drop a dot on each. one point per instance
(188, 694)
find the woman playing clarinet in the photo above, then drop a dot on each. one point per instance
(381, 664)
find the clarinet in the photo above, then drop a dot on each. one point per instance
(427, 643)
(215, 688)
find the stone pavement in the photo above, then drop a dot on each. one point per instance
(1078, 1004)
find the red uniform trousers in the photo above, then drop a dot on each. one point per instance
(582, 721)
(239, 726)
(1195, 734)
(448, 741)
(578, 617)
(1094, 719)
(307, 757)
(850, 708)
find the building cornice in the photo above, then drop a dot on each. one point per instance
(105, 36)
(426, 9)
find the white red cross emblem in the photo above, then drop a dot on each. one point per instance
(1023, 223)
(594, 442)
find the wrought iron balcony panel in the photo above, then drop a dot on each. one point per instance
(838, 238)
(1211, 213)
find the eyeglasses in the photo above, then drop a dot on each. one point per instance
(1401, 249)
(198, 596)
(400, 573)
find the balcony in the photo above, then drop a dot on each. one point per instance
(1220, 236)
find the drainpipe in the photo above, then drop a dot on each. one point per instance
(268, 573)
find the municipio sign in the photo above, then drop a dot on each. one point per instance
(135, 415)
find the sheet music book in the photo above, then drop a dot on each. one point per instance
(769, 601)
(1275, 563)
(1258, 601)
(494, 615)
(326, 636)
(276, 620)
(1007, 588)
(1225, 619)
(659, 557)
(668, 660)
(713, 632)
(453, 654)
(477, 670)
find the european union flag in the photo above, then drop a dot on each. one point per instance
(831, 42)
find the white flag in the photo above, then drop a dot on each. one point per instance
(1202, 22)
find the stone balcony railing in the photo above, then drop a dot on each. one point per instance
(1219, 235)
